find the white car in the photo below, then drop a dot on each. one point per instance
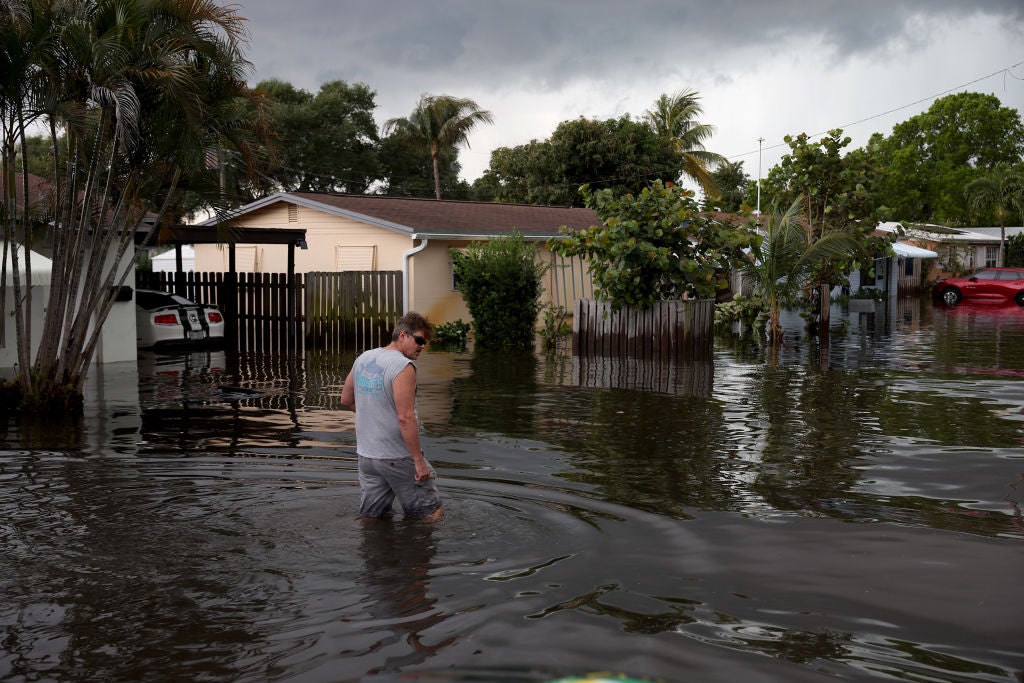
(164, 319)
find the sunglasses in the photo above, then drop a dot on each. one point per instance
(420, 341)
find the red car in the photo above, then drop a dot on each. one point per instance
(991, 284)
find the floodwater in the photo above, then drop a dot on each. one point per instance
(837, 515)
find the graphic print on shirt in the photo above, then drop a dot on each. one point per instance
(370, 379)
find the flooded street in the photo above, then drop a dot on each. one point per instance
(848, 514)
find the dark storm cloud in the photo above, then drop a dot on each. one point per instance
(549, 43)
(764, 68)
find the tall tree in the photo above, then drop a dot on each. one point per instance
(931, 157)
(144, 92)
(733, 185)
(438, 123)
(325, 142)
(619, 155)
(1000, 192)
(675, 118)
(528, 174)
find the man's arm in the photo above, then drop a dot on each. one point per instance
(404, 389)
(348, 393)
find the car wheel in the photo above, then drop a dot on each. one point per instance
(1019, 298)
(951, 296)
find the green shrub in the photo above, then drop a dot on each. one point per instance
(500, 281)
(749, 311)
(1014, 257)
(453, 335)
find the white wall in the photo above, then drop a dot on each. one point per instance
(9, 340)
(117, 338)
(167, 262)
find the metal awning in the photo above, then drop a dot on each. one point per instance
(910, 251)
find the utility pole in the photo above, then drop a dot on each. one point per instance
(759, 141)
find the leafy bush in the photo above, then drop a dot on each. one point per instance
(453, 335)
(654, 246)
(749, 311)
(500, 281)
(1015, 251)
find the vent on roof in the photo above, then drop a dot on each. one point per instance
(293, 213)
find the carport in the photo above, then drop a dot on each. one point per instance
(179, 235)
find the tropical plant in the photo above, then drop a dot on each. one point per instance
(675, 118)
(835, 194)
(654, 246)
(407, 172)
(500, 280)
(556, 326)
(141, 93)
(440, 122)
(1000, 192)
(785, 258)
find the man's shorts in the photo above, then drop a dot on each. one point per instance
(383, 480)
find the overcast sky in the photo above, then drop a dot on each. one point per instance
(764, 68)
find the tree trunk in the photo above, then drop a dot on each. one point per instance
(825, 311)
(434, 154)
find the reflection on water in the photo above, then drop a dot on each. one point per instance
(846, 512)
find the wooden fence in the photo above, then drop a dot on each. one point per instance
(352, 311)
(666, 330)
(263, 312)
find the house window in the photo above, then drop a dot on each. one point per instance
(991, 257)
(908, 266)
(355, 258)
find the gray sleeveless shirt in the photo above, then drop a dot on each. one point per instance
(377, 432)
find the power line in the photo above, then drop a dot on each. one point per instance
(1005, 71)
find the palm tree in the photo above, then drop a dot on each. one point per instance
(784, 260)
(676, 119)
(1000, 191)
(142, 93)
(440, 122)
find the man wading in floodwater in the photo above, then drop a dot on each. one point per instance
(381, 389)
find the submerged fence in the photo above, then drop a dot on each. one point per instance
(352, 311)
(667, 330)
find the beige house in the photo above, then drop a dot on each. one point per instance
(410, 235)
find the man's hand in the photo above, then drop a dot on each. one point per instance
(423, 470)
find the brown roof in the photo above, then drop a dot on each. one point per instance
(39, 190)
(432, 217)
